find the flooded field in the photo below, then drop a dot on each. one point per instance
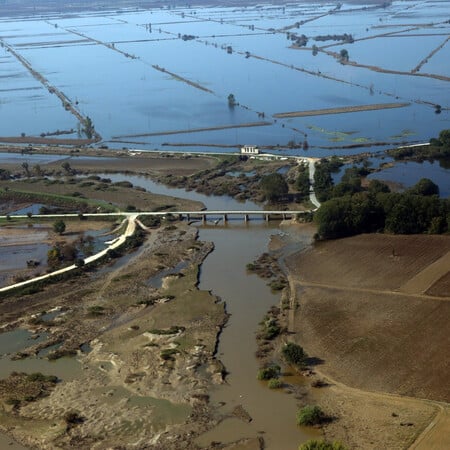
(139, 74)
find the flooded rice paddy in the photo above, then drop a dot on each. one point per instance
(139, 74)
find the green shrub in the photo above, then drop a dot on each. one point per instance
(274, 383)
(314, 444)
(310, 415)
(267, 373)
(272, 331)
(294, 354)
(172, 330)
(96, 310)
(38, 376)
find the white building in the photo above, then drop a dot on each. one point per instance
(249, 150)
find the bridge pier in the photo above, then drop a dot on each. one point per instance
(188, 217)
(225, 218)
(245, 217)
(203, 219)
(267, 217)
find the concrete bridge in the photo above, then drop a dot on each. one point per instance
(203, 215)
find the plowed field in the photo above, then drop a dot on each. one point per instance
(369, 334)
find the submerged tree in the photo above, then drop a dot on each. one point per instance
(343, 56)
(231, 101)
(88, 129)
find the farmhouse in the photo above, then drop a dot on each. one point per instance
(249, 150)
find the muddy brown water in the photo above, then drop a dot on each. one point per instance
(247, 299)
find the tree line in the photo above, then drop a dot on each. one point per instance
(350, 209)
(438, 148)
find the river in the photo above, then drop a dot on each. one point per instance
(247, 299)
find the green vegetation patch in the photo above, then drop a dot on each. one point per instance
(310, 415)
(175, 329)
(314, 444)
(269, 372)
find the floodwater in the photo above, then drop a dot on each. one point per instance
(212, 202)
(407, 174)
(247, 299)
(132, 97)
(17, 340)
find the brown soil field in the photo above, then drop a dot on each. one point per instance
(381, 262)
(344, 109)
(121, 160)
(368, 334)
(146, 164)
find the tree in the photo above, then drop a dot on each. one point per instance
(343, 56)
(444, 138)
(425, 187)
(310, 415)
(59, 226)
(302, 182)
(38, 170)
(26, 167)
(274, 186)
(231, 101)
(88, 129)
(294, 354)
(376, 186)
(79, 262)
(270, 372)
(66, 166)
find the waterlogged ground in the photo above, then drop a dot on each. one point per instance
(141, 73)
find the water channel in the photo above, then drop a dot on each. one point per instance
(247, 298)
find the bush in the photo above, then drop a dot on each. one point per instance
(271, 331)
(174, 329)
(168, 354)
(267, 373)
(38, 376)
(310, 415)
(73, 418)
(96, 310)
(59, 226)
(294, 354)
(274, 383)
(313, 444)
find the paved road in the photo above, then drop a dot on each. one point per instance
(129, 231)
(312, 194)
